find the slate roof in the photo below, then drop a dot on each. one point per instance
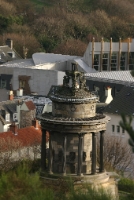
(123, 102)
(5, 54)
(123, 77)
(26, 136)
(9, 107)
(3, 120)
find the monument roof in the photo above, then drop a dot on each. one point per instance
(73, 90)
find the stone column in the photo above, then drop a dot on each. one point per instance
(94, 153)
(64, 155)
(43, 150)
(50, 155)
(102, 151)
(80, 154)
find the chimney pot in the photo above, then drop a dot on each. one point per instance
(11, 95)
(35, 123)
(9, 42)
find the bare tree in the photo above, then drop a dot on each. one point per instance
(117, 154)
(8, 149)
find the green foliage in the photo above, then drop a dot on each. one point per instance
(53, 23)
(16, 19)
(4, 23)
(89, 194)
(47, 42)
(126, 185)
(19, 184)
(76, 30)
(9, 20)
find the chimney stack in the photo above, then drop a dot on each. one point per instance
(20, 92)
(14, 128)
(108, 95)
(11, 95)
(9, 42)
(35, 123)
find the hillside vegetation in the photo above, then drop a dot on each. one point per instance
(64, 26)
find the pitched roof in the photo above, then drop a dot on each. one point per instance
(122, 77)
(30, 105)
(26, 136)
(8, 106)
(5, 54)
(123, 102)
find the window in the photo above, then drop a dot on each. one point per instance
(122, 61)
(105, 62)
(114, 59)
(131, 60)
(15, 117)
(3, 83)
(22, 84)
(11, 54)
(118, 129)
(7, 117)
(113, 128)
(123, 132)
(96, 61)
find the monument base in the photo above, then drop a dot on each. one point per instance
(98, 181)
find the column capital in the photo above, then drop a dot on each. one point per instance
(94, 133)
(103, 131)
(81, 134)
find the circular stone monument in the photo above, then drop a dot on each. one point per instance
(74, 126)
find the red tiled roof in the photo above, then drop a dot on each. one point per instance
(26, 136)
(30, 105)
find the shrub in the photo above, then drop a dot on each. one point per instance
(126, 185)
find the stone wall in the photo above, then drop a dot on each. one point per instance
(26, 118)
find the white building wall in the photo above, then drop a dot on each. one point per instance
(40, 81)
(6, 127)
(115, 120)
(24, 107)
(6, 70)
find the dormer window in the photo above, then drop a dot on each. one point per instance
(15, 117)
(7, 117)
(11, 54)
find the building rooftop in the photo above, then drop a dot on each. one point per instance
(39, 61)
(28, 136)
(44, 58)
(123, 102)
(122, 77)
(30, 105)
(8, 54)
(49, 61)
